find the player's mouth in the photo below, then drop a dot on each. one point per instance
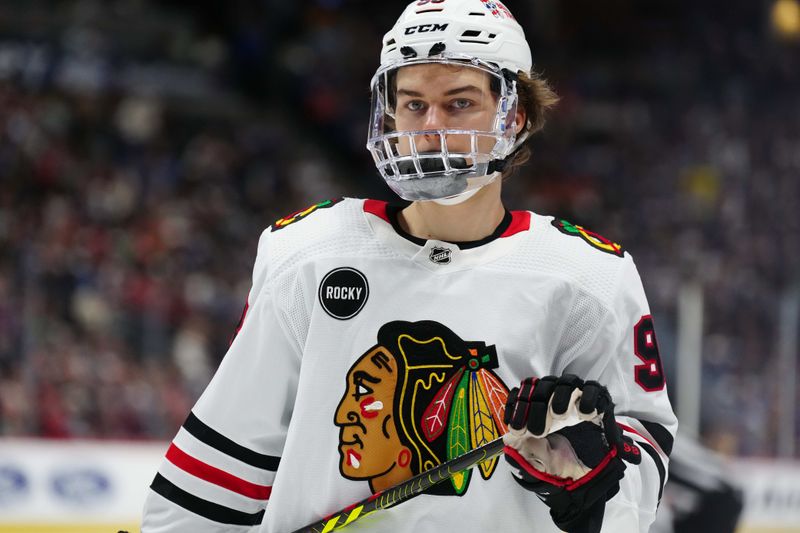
(353, 458)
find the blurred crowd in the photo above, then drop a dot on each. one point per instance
(124, 263)
(131, 201)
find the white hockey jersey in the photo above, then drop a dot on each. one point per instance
(366, 356)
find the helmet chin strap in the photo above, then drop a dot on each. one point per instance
(466, 195)
(457, 199)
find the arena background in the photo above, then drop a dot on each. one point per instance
(144, 146)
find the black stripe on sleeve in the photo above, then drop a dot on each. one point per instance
(662, 436)
(220, 442)
(206, 509)
(662, 472)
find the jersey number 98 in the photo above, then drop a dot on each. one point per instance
(650, 374)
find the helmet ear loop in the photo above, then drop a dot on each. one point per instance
(523, 134)
(522, 137)
(505, 122)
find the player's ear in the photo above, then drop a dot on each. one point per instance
(520, 119)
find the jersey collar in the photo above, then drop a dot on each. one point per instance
(442, 256)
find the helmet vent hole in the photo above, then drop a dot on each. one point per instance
(390, 42)
(476, 36)
(477, 14)
(430, 10)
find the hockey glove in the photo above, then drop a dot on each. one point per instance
(564, 444)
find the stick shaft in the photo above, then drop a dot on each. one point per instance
(405, 490)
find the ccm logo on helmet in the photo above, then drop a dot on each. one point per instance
(425, 28)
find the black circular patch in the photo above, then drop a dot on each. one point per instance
(343, 292)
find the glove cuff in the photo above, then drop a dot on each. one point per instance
(568, 484)
(586, 521)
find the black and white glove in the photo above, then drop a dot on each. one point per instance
(564, 444)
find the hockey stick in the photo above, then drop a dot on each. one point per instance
(405, 490)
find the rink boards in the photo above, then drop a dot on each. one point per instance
(100, 486)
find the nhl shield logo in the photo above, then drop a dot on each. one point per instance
(440, 256)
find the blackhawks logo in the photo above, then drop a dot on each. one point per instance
(300, 215)
(419, 397)
(594, 239)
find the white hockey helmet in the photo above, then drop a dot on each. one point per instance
(475, 34)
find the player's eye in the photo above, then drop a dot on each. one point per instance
(415, 105)
(461, 103)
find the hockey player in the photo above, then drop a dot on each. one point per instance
(382, 340)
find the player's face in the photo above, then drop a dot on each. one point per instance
(368, 441)
(437, 96)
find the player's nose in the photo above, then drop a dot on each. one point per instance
(434, 117)
(434, 120)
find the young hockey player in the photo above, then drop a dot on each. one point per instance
(381, 340)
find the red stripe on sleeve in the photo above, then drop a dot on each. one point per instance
(214, 475)
(631, 430)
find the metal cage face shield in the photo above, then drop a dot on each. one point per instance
(439, 126)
